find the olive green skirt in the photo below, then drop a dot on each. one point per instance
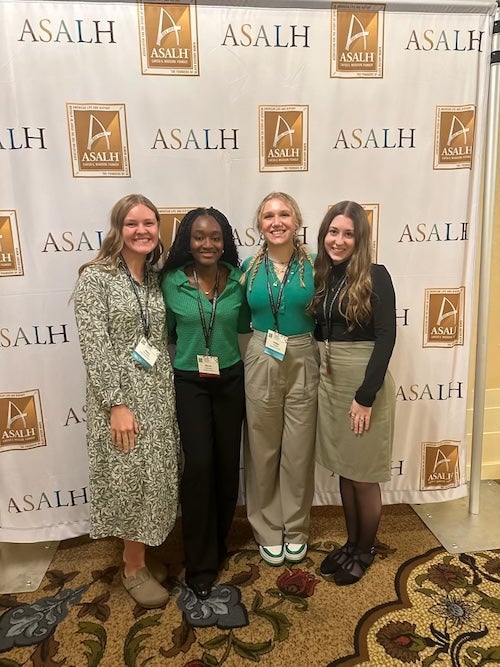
(362, 458)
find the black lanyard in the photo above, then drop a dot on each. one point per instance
(328, 311)
(144, 312)
(207, 330)
(275, 305)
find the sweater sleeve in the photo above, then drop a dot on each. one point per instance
(384, 322)
(92, 319)
(244, 317)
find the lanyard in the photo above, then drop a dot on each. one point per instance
(144, 312)
(207, 330)
(275, 305)
(327, 311)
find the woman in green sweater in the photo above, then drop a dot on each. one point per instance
(281, 380)
(206, 309)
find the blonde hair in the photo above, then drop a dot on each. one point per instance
(109, 255)
(300, 249)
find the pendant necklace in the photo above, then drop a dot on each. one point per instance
(282, 269)
(208, 291)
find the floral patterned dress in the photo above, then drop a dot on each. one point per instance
(133, 495)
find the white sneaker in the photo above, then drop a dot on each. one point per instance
(295, 553)
(273, 555)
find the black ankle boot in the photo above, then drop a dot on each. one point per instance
(354, 568)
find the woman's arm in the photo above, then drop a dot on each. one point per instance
(384, 323)
(103, 368)
(92, 319)
(171, 319)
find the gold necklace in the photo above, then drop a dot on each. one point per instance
(198, 282)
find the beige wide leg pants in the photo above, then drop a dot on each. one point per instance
(281, 409)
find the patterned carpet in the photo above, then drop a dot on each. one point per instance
(417, 604)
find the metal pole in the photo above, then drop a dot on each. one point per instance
(490, 171)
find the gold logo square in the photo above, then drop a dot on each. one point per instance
(11, 258)
(98, 140)
(357, 40)
(444, 317)
(454, 137)
(168, 35)
(21, 420)
(373, 215)
(283, 138)
(440, 465)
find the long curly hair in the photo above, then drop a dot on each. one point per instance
(180, 251)
(109, 254)
(301, 250)
(354, 299)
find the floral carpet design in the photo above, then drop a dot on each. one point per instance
(35, 626)
(448, 613)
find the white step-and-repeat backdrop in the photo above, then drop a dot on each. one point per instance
(197, 104)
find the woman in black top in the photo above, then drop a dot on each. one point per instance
(354, 304)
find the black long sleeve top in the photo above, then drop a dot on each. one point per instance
(381, 328)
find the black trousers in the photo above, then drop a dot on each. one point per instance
(210, 413)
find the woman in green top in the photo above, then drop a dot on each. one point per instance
(206, 308)
(281, 382)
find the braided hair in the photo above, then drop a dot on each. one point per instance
(180, 251)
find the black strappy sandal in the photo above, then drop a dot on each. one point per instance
(336, 559)
(354, 568)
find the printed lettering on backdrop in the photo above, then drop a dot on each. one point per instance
(191, 106)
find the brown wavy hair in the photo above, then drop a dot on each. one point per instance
(354, 299)
(112, 245)
(301, 250)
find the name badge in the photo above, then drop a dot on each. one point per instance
(208, 367)
(275, 345)
(145, 354)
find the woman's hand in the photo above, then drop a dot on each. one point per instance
(124, 428)
(360, 417)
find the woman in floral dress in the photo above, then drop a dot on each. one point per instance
(132, 431)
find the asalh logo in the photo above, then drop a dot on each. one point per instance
(21, 420)
(98, 139)
(444, 317)
(440, 467)
(168, 38)
(170, 219)
(454, 137)
(11, 259)
(373, 214)
(283, 138)
(357, 40)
